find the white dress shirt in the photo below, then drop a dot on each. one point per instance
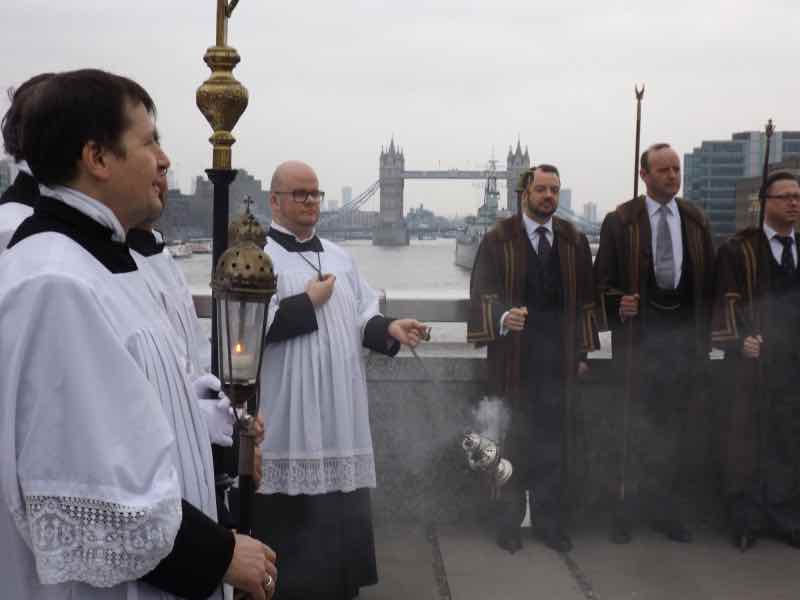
(776, 246)
(674, 224)
(531, 226)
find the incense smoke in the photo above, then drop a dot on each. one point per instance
(492, 418)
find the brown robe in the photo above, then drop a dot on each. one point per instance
(624, 260)
(498, 284)
(623, 266)
(742, 308)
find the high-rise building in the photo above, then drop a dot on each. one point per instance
(5, 175)
(172, 180)
(590, 211)
(347, 195)
(710, 172)
(565, 198)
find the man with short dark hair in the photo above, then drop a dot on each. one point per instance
(653, 272)
(531, 304)
(107, 483)
(18, 201)
(756, 320)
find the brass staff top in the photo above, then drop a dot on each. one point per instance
(221, 98)
(224, 12)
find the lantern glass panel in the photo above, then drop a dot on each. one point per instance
(241, 337)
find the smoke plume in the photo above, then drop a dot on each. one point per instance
(492, 418)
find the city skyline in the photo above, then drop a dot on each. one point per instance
(454, 82)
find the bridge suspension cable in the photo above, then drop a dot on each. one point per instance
(354, 204)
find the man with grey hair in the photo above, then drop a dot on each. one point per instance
(653, 271)
(313, 504)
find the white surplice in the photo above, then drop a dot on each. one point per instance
(100, 433)
(12, 214)
(169, 288)
(313, 387)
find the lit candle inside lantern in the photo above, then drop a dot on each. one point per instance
(242, 364)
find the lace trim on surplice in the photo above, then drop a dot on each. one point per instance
(317, 475)
(96, 542)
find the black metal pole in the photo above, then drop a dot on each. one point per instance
(768, 130)
(762, 398)
(221, 179)
(225, 459)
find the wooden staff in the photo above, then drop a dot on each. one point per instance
(633, 268)
(762, 398)
(762, 196)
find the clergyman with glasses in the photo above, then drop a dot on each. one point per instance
(317, 459)
(756, 319)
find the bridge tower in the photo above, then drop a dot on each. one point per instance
(517, 163)
(391, 229)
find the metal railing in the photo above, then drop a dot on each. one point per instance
(427, 310)
(435, 310)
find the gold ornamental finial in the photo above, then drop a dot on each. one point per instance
(247, 228)
(221, 98)
(244, 269)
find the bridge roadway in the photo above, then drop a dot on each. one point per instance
(433, 526)
(453, 174)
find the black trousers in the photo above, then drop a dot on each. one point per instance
(325, 543)
(535, 448)
(774, 503)
(657, 422)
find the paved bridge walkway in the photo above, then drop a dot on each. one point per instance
(453, 563)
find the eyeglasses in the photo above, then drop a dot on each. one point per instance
(305, 196)
(786, 197)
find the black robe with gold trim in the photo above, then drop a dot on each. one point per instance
(745, 304)
(498, 284)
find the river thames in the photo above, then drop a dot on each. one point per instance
(424, 269)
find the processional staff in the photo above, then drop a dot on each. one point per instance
(633, 268)
(239, 297)
(762, 398)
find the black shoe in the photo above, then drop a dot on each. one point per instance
(556, 539)
(510, 541)
(674, 530)
(744, 539)
(793, 539)
(620, 532)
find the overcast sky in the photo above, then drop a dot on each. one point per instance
(331, 81)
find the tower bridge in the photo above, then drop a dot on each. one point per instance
(391, 229)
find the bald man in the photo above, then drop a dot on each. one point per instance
(313, 504)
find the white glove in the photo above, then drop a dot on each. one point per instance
(207, 386)
(216, 409)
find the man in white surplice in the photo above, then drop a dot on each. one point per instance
(312, 505)
(17, 202)
(106, 482)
